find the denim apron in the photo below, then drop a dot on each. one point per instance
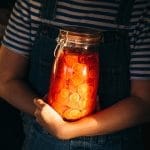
(114, 86)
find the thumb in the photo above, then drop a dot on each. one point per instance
(39, 103)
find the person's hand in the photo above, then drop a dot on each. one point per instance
(48, 118)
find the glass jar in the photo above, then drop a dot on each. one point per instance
(75, 75)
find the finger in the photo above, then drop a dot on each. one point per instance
(37, 120)
(36, 113)
(39, 103)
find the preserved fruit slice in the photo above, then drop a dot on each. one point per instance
(76, 80)
(82, 103)
(70, 59)
(82, 89)
(72, 114)
(73, 101)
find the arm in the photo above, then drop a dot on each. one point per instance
(13, 63)
(128, 112)
(13, 69)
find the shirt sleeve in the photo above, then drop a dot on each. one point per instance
(17, 34)
(140, 42)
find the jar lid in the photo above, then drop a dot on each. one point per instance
(80, 35)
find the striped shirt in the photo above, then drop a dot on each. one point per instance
(25, 19)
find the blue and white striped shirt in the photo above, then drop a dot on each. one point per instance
(25, 19)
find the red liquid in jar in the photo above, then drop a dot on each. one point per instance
(74, 83)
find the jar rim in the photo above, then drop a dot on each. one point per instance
(81, 30)
(80, 35)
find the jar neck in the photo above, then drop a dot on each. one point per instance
(78, 41)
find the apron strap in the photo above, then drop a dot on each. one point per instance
(124, 12)
(48, 9)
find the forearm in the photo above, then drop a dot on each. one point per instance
(128, 112)
(12, 86)
(18, 94)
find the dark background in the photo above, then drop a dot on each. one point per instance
(11, 132)
(6, 4)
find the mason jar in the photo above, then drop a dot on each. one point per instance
(75, 77)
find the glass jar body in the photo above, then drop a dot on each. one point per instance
(74, 79)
